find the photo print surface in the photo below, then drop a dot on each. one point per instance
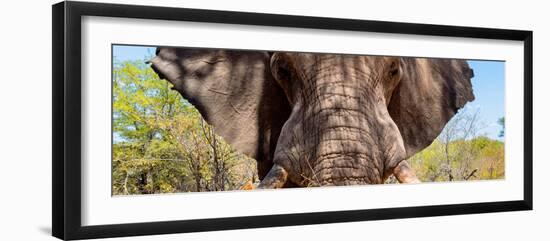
(202, 120)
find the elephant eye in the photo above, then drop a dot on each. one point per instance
(394, 70)
(283, 72)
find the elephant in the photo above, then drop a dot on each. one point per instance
(320, 119)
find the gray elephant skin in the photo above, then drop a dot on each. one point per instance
(312, 119)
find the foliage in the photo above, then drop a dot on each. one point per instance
(460, 153)
(502, 124)
(162, 145)
(484, 160)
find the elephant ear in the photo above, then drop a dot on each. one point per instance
(234, 92)
(430, 93)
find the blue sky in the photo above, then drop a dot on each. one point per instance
(132, 53)
(488, 84)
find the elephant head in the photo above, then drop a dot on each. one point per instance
(320, 119)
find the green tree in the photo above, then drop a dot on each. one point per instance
(501, 123)
(460, 153)
(160, 142)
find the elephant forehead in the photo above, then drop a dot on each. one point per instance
(350, 65)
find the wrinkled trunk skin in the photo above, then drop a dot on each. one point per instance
(339, 132)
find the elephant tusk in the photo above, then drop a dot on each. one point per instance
(275, 178)
(404, 173)
(248, 186)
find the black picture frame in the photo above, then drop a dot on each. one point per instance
(66, 185)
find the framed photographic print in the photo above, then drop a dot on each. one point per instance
(170, 120)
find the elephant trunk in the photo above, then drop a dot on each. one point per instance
(343, 136)
(354, 145)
